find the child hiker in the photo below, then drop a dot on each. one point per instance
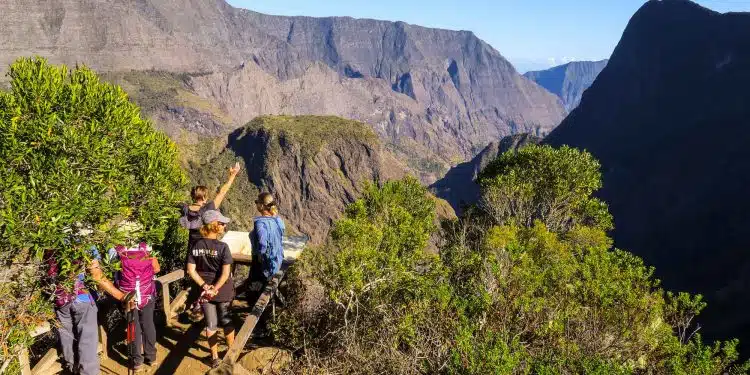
(76, 310)
(138, 269)
(191, 214)
(209, 264)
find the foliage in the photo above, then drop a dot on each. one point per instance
(547, 184)
(79, 163)
(508, 296)
(380, 286)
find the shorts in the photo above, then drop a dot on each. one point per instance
(216, 313)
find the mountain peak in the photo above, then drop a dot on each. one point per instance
(568, 81)
(667, 120)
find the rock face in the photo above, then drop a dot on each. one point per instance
(568, 81)
(434, 96)
(459, 188)
(668, 119)
(313, 165)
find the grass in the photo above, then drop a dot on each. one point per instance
(311, 133)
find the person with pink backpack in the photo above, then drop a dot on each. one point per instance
(137, 276)
(75, 310)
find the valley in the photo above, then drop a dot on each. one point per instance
(426, 173)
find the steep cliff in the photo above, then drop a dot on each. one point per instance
(568, 81)
(314, 166)
(434, 96)
(668, 119)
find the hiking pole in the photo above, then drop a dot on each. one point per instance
(130, 330)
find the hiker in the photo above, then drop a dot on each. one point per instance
(209, 264)
(136, 275)
(266, 240)
(191, 219)
(76, 313)
(191, 214)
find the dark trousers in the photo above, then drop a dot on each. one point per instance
(145, 334)
(78, 323)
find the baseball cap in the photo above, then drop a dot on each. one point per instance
(214, 215)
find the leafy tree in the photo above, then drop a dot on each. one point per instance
(381, 295)
(79, 164)
(542, 183)
(535, 291)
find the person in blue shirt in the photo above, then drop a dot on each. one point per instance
(266, 239)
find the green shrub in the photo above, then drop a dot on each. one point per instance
(506, 295)
(547, 184)
(79, 162)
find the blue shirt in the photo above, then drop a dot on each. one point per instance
(266, 240)
(87, 297)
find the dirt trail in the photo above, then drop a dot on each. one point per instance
(180, 349)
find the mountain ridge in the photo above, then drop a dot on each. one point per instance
(667, 120)
(568, 81)
(447, 92)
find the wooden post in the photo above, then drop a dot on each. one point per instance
(247, 328)
(49, 359)
(179, 301)
(23, 360)
(167, 308)
(103, 342)
(40, 329)
(165, 281)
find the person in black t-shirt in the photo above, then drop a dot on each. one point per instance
(209, 264)
(194, 212)
(200, 205)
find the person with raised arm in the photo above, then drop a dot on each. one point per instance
(191, 214)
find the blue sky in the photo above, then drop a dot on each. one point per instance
(532, 34)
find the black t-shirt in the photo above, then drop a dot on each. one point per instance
(195, 234)
(209, 256)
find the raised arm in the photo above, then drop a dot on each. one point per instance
(225, 188)
(103, 282)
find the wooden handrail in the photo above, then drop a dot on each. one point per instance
(171, 277)
(252, 320)
(165, 281)
(170, 311)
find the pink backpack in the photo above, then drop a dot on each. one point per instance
(137, 273)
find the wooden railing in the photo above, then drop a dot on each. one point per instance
(252, 319)
(172, 308)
